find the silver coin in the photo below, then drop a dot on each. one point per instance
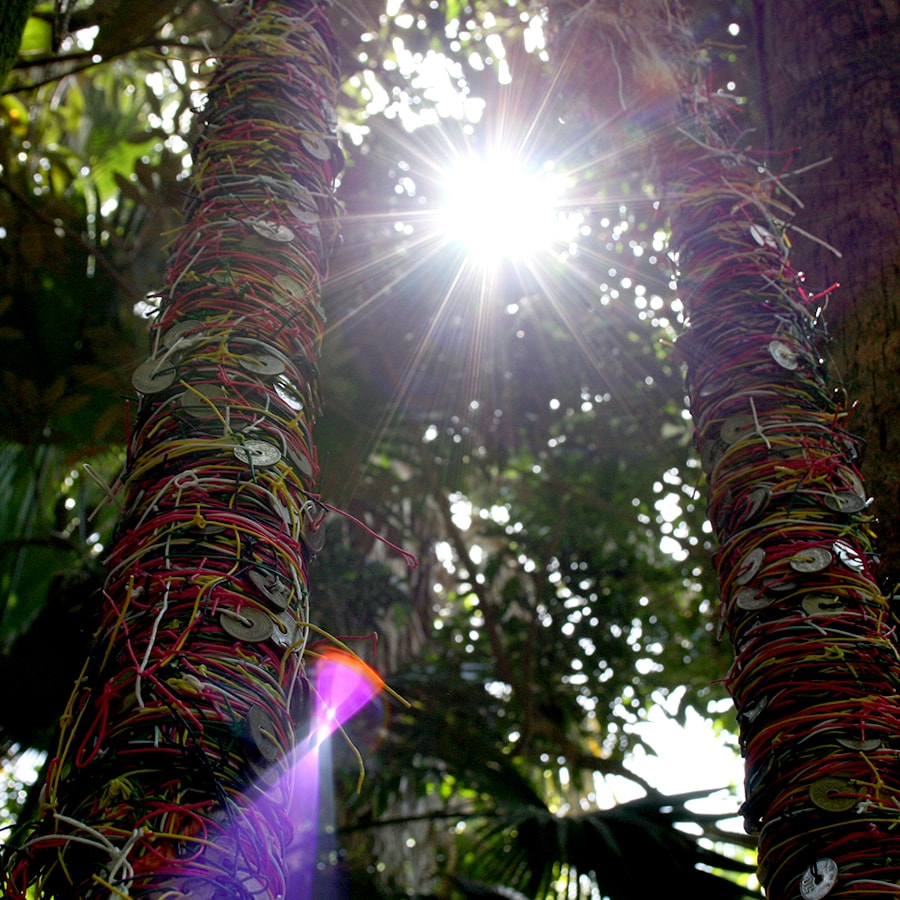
(848, 556)
(261, 364)
(316, 146)
(204, 401)
(750, 565)
(276, 591)
(811, 559)
(263, 729)
(822, 604)
(302, 215)
(154, 375)
(257, 453)
(784, 355)
(818, 880)
(289, 394)
(184, 333)
(735, 428)
(856, 744)
(845, 502)
(750, 599)
(272, 231)
(292, 286)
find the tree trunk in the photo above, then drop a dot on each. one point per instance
(816, 676)
(832, 79)
(172, 774)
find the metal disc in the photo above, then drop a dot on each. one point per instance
(715, 386)
(185, 333)
(302, 215)
(825, 793)
(779, 585)
(752, 710)
(300, 461)
(750, 599)
(316, 146)
(784, 355)
(271, 587)
(818, 880)
(811, 559)
(822, 604)
(315, 539)
(154, 375)
(289, 393)
(203, 401)
(845, 502)
(750, 565)
(758, 499)
(263, 728)
(329, 113)
(262, 364)
(735, 428)
(291, 285)
(257, 453)
(848, 556)
(763, 236)
(272, 231)
(711, 454)
(856, 744)
(250, 624)
(285, 634)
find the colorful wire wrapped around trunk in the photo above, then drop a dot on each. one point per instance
(170, 779)
(816, 674)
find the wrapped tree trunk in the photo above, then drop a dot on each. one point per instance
(816, 676)
(172, 773)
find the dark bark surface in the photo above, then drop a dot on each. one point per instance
(832, 73)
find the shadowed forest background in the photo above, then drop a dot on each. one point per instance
(515, 420)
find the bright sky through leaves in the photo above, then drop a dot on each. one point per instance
(496, 207)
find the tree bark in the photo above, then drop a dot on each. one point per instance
(173, 771)
(832, 86)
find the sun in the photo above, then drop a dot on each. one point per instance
(498, 208)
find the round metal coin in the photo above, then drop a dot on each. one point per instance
(204, 401)
(316, 146)
(250, 624)
(750, 599)
(845, 502)
(848, 556)
(821, 604)
(263, 729)
(784, 355)
(257, 453)
(750, 565)
(856, 744)
(262, 364)
(291, 285)
(154, 375)
(833, 793)
(288, 393)
(818, 880)
(184, 333)
(272, 231)
(271, 587)
(302, 215)
(811, 559)
(736, 428)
